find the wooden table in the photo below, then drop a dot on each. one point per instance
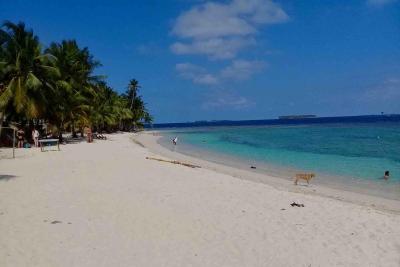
(48, 142)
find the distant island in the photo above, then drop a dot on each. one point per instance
(283, 120)
(296, 117)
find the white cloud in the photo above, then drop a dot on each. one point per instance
(228, 101)
(238, 70)
(242, 69)
(188, 67)
(383, 97)
(215, 48)
(221, 30)
(386, 93)
(380, 2)
(206, 79)
(211, 20)
(148, 48)
(195, 73)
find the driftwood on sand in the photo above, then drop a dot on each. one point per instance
(175, 162)
(137, 142)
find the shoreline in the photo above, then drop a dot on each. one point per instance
(151, 141)
(379, 188)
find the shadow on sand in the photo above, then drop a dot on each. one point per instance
(5, 177)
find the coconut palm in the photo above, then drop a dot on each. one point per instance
(25, 72)
(3, 40)
(74, 89)
(59, 87)
(131, 93)
(108, 109)
(136, 105)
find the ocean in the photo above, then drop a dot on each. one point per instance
(354, 152)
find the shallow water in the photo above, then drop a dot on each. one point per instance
(356, 153)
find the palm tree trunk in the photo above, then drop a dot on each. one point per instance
(74, 135)
(1, 121)
(131, 103)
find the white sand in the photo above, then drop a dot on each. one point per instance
(115, 208)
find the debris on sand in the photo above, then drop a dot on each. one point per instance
(174, 162)
(294, 204)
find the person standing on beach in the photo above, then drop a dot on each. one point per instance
(35, 136)
(89, 134)
(175, 140)
(20, 137)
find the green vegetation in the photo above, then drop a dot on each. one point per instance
(57, 86)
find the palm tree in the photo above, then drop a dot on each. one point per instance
(24, 72)
(136, 105)
(3, 40)
(74, 90)
(133, 88)
(59, 87)
(109, 109)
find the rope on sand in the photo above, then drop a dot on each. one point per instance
(175, 162)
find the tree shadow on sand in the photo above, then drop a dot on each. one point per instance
(6, 177)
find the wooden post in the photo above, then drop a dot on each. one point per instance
(14, 143)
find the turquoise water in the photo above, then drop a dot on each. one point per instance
(359, 152)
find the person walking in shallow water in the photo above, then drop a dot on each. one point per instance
(386, 175)
(175, 140)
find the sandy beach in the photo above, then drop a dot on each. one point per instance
(105, 204)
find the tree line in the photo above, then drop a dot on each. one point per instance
(57, 86)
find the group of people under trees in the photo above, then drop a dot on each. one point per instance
(24, 140)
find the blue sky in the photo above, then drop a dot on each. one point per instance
(236, 59)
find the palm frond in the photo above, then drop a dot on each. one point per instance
(32, 81)
(6, 95)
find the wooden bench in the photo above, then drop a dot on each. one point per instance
(47, 143)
